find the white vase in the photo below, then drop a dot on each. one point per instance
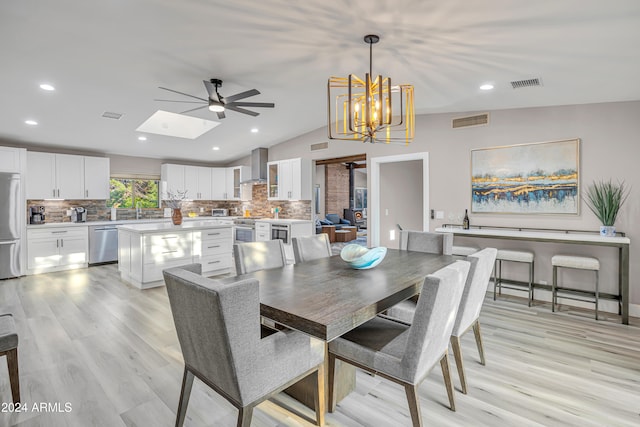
(607, 231)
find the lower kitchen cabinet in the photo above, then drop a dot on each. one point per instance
(56, 249)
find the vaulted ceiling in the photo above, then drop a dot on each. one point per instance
(111, 56)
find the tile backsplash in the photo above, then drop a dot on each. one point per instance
(258, 206)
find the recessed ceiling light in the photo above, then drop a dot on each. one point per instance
(216, 148)
(486, 86)
(47, 86)
(142, 138)
(254, 130)
(31, 122)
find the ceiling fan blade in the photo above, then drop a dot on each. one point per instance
(182, 93)
(241, 110)
(241, 95)
(173, 100)
(221, 115)
(194, 109)
(252, 104)
(210, 89)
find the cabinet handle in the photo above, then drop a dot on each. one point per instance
(211, 247)
(62, 243)
(169, 252)
(213, 262)
(86, 193)
(170, 237)
(213, 234)
(54, 192)
(57, 243)
(58, 232)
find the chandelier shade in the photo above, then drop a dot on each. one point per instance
(363, 109)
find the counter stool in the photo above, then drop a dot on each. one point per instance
(464, 250)
(512, 256)
(578, 263)
(9, 348)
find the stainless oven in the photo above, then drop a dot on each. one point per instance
(282, 232)
(245, 230)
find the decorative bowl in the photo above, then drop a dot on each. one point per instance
(362, 258)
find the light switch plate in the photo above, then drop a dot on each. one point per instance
(439, 214)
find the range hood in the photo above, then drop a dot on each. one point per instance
(259, 158)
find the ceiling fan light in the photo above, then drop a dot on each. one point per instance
(215, 107)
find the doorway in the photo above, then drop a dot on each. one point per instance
(399, 196)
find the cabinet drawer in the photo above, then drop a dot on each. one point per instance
(262, 236)
(58, 232)
(263, 226)
(215, 234)
(213, 247)
(217, 262)
(153, 272)
(163, 247)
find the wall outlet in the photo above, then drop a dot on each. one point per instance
(439, 214)
(69, 212)
(392, 234)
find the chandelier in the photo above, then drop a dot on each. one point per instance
(361, 110)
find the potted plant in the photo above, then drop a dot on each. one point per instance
(174, 201)
(605, 198)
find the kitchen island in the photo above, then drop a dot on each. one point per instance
(144, 250)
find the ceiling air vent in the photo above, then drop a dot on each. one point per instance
(525, 83)
(463, 122)
(110, 115)
(319, 146)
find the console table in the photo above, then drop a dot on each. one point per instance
(560, 236)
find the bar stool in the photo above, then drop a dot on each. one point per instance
(464, 250)
(9, 348)
(578, 263)
(512, 256)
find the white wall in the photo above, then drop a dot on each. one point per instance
(609, 149)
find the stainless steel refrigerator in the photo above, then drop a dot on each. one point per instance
(9, 225)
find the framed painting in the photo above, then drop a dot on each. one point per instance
(538, 178)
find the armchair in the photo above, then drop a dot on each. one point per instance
(335, 219)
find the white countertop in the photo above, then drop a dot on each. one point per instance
(533, 235)
(283, 221)
(168, 226)
(126, 221)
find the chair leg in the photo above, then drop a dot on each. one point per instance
(331, 380)
(320, 398)
(14, 377)
(554, 283)
(531, 283)
(457, 354)
(495, 279)
(476, 333)
(597, 294)
(244, 416)
(185, 393)
(444, 364)
(414, 404)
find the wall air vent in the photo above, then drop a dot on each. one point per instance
(477, 120)
(110, 115)
(526, 83)
(319, 146)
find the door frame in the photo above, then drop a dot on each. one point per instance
(373, 163)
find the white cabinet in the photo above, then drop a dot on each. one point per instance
(289, 179)
(197, 182)
(236, 175)
(66, 176)
(263, 231)
(58, 248)
(211, 248)
(10, 159)
(172, 179)
(97, 174)
(218, 183)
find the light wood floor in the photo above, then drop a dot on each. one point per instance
(111, 352)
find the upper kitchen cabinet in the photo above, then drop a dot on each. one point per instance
(172, 178)
(55, 176)
(218, 183)
(10, 159)
(236, 175)
(289, 179)
(197, 182)
(97, 174)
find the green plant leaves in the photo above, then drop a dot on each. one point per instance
(605, 198)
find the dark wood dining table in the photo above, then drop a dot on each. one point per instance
(326, 298)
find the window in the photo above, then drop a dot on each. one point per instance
(127, 192)
(361, 198)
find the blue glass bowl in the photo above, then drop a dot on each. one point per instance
(362, 258)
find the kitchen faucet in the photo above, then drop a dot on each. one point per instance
(138, 210)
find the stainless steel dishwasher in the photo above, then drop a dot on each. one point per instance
(103, 243)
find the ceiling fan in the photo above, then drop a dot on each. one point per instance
(218, 104)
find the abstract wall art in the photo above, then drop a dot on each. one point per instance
(539, 178)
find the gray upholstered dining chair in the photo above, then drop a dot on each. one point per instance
(311, 247)
(424, 241)
(254, 256)
(9, 348)
(406, 353)
(218, 327)
(470, 306)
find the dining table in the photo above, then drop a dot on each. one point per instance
(326, 298)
